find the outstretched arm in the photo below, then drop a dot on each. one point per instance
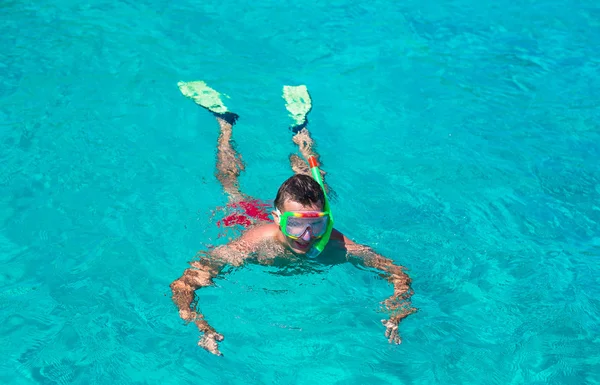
(399, 303)
(201, 274)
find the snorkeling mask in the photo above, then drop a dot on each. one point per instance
(295, 224)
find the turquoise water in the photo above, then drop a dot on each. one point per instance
(462, 139)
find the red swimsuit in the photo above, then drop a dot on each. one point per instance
(246, 213)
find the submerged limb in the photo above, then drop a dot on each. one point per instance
(305, 145)
(299, 104)
(229, 162)
(199, 275)
(399, 303)
(298, 165)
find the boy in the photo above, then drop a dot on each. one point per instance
(299, 221)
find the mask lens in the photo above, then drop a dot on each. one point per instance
(296, 226)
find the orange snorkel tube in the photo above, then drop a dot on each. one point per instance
(316, 174)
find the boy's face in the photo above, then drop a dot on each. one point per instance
(303, 244)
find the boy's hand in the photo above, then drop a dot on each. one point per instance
(209, 339)
(391, 330)
(209, 342)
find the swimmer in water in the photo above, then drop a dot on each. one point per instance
(302, 225)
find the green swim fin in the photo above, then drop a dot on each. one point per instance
(298, 103)
(203, 95)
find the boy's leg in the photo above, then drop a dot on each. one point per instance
(299, 104)
(229, 161)
(305, 146)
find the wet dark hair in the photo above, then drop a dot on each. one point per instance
(301, 189)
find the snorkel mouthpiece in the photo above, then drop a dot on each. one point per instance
(316, 174)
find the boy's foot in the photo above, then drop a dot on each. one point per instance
(299, 104)
(203, 95)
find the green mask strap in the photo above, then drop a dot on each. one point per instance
(316, 174)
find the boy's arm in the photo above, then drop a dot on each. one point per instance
(398, 303)
(201, 274)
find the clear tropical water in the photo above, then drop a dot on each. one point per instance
(461, 137)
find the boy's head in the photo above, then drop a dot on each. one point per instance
(300, 189)
(300, 193)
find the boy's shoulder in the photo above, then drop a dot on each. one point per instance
(340, 241)
(252, 240)
(338, 236)
(260, 233)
